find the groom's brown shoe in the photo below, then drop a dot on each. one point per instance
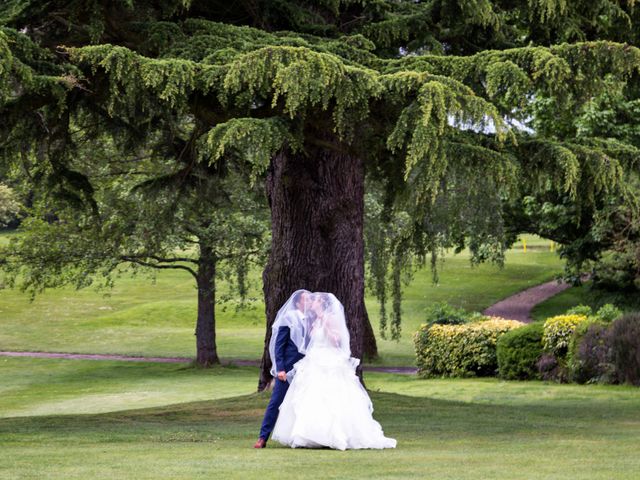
(261, 443)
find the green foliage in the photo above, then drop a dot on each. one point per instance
(441, 313)
(137, 83)
(9, 205)
(425, 92)
(422, 124)
(151, 213)
(608, 313)
(618, 269)
(548, 9)
(518, 352)
(558, 331)
(460, 350)
(582, 310)
(253, 140)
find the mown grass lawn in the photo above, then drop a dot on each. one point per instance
(78, 419)
(204, 424)
(157, 318)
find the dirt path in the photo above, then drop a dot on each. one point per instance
(518, 306)
(241, 363)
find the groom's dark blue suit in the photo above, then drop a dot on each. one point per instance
(287, 355)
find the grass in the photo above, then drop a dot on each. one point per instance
(42, 386)
(446, 429)
(143, 317)
(77, 419)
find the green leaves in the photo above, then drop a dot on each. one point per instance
(439, 104)
(252, 140)
(507, 83)
(138, 82)
(301, 80)
(548, 9)
(9, 205)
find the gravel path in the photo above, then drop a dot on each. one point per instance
(518, 306)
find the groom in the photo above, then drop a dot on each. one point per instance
(287, 354)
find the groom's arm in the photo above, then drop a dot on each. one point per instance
(281, 344)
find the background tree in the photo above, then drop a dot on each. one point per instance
(9, 205)
(598, 233)
(151, 215)
(421, 97)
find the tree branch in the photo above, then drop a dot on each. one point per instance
(153, 265)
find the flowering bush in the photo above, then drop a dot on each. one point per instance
(460, 350)
(558, 331)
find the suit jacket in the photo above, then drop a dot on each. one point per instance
(287, 353)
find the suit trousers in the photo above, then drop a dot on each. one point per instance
(271, 413)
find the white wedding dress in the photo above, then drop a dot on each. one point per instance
(326, 405)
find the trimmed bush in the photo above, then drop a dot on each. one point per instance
(518, 352)
(625, 348)
(460, 350)
(558, 331)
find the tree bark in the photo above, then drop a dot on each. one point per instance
(317, 206)
(206, 350)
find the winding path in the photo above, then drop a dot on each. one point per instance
(518, 306)
(515, 307)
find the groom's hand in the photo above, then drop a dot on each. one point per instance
(282, 376)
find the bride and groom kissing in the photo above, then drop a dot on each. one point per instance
(317, 399)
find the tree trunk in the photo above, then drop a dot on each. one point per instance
(317, 206)
(207, 352)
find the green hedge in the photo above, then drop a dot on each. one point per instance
(518, 352)
(460, 350)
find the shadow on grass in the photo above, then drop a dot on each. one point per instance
(412, 419)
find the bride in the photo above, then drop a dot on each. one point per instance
(326, 405)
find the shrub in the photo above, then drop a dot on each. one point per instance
(442, 313)
(479, 317)
(625, 348)
(590, 354)
(460, 350)
(608, 313)
(518, 352)
(580, 310)
(558, 331)
(551, 369)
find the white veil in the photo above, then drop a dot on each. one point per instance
(329, 329)
(295, 315)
